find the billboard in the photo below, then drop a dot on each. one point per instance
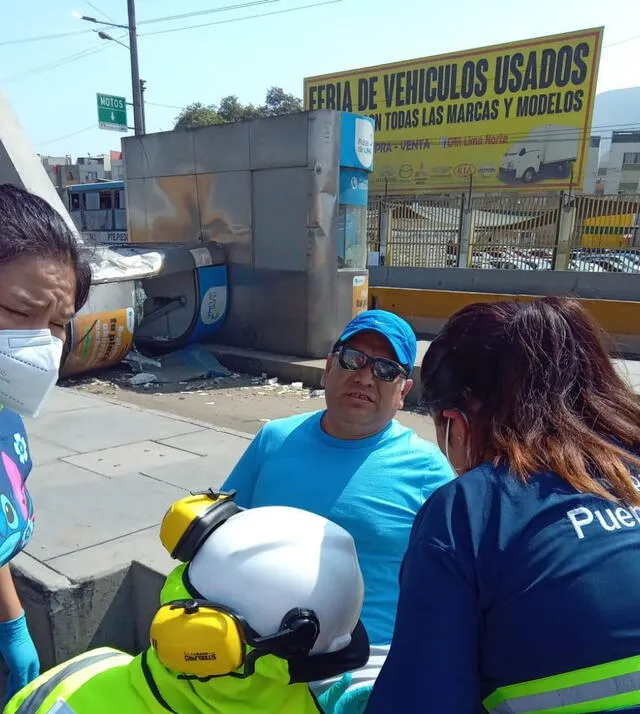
(509, 116)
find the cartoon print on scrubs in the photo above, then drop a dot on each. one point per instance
(16, 507)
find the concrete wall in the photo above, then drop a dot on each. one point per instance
(606, 286)
(427, 297)
(268, 191)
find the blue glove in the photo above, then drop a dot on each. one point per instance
(19, 654)
(341, 699)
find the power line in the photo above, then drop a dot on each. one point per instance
(58, 35)
(66, 136)
(183, 16)
(59, 62)
(240, 19)
(163, 106)
(85, 53)
(226, 8)
(198, 13)
(99, 11)
(563, 133)
(621, 42)
(55, 64)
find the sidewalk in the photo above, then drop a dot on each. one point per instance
(104, 475)
(309, 371)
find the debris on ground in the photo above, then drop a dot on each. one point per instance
(184, 365)
(190, 371)
(242, 402)
(142, 379)
(139, 362)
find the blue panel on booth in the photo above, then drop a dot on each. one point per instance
(213, 302)
(356, 141)
(354, 187)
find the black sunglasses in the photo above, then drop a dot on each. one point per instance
(382, 368)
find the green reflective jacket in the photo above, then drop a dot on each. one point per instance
(106, 681)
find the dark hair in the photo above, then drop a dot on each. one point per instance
(29, 226)
(540, 391)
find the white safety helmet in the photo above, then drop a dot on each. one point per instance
(264, 562)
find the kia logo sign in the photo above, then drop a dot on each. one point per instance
(464, 170)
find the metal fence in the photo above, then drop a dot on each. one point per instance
(416, 232)
(511, 232)
(606, 234)
(586, 233)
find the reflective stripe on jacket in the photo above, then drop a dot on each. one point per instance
(602, 688)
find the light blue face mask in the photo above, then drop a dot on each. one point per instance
(29, 364)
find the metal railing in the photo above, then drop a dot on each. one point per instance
(421, 231)
(606, 234)
(518, 232)
(513, 232)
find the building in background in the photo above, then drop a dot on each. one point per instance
(63, 171)
(114, 165)
(91, 169)
(619, 171)
(591, 170)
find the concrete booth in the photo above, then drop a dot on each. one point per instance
(285, 198)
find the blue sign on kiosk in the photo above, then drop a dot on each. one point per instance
(356, 163)
(212, 294)
(188, 301)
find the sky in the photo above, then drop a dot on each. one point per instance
(52, 83)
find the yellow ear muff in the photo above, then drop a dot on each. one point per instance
(197, 640)
(191, 520)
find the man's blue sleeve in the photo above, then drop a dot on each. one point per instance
(245, 473)
(433, 661)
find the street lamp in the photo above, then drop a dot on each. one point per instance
(136, 87)
(106, 36)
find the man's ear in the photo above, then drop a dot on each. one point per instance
(406, 388)
(327, 367)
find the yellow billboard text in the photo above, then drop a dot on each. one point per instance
(508, 116)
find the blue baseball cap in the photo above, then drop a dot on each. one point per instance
(394, 329)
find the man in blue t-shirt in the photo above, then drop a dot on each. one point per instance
(354, 463)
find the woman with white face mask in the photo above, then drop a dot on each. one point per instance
(520, 588)
(43, 282)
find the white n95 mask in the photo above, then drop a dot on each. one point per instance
(29, 364)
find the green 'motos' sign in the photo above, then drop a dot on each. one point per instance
(112, 112)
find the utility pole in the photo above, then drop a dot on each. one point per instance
(143, 86)
(136, 88)
(137, 85)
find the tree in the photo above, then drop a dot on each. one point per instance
(278, 103)
(230, 109)
(197, 115)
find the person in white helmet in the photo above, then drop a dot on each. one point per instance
(265, 601)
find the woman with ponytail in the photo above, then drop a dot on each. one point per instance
(520, 590)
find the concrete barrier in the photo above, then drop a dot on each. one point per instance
(603, 286)
(428, 310)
